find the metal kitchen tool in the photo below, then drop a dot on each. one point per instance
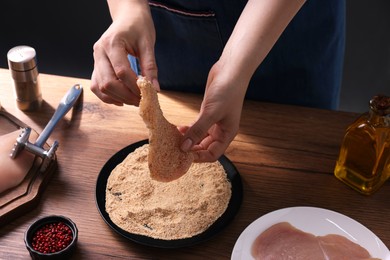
(22, 142)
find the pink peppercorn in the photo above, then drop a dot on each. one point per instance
(52, 238)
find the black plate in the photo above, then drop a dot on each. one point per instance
(232, 209)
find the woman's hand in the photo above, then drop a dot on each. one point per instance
(132, 32)
(219, 116)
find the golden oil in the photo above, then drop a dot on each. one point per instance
(364, 161)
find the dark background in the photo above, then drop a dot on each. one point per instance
(63, 34)
(367, 57)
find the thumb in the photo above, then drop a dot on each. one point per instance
(149, 67)
(196, 133)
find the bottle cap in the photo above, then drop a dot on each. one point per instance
(22, 58)
(380, 104)
(22, 64)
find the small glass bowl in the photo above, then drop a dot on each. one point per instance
(40, 223)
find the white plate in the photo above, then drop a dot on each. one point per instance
(316, 221)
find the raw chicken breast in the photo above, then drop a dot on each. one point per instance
(13, 171)
(282, 241)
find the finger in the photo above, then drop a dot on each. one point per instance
(203, 156)
(96, 90)
(107, 84)
(206, 155)
(121, 67)
(196, 133)
(118, 91)
(183, 129)
(149, 66)
(209, 150)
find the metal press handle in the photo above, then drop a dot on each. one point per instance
(67, 102)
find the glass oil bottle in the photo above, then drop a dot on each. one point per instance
(364, 159)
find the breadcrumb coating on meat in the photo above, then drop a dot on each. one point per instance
(167, 162)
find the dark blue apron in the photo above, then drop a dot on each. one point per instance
(303, 68)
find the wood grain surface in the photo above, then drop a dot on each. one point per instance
(284, 154)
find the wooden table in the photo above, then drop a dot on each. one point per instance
(284, 154)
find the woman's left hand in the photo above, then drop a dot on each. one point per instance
(219, 117)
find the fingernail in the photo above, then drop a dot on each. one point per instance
(186, 145)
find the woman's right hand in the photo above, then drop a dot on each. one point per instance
(131, 32)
